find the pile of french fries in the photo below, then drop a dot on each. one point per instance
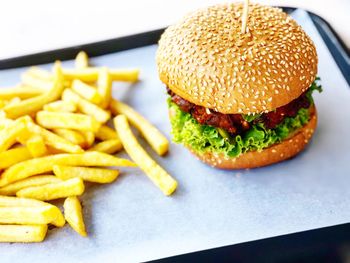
(54, 137)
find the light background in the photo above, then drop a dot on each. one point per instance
(38, 25)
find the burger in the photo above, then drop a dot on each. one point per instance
(239, 100)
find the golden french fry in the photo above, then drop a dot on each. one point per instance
(89, 138)
(154, 137)
(4, 122)
(22, 233)
(33, 81)
(86, 106)
(95, 175)
(38, 215)
(131, 75)
(67, 120)
(53, 151)
(106, 133)
(108, 146)
(13, 101)
(73, 214)
(37, 180)
(52, 139)
(84, 74)
(13, 156)
(74, 186)
(86, 91)
(7, 201)
(35, 104)
(24, 136)
(82, 60)
(41, 165)
(156, 173)
(39, 73)
(61, 106)
(91, 74)
(9, 134)
(19, 92)
(10, 201)
(73, 136)
(2, 104)
(104, 86)
(36, 146)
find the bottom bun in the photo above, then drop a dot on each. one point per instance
(275, 153)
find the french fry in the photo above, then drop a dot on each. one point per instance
(3, 118)
(9, 201)
(131, 75)
(22, 233)
(95, 175)
(156, 173)
(24, 136)
(74, 186)
(2, 104)
(86, 106)
(104, 86)
(108, 146)
(37, 215)
(44, 164)
(33, 81)
(53, 151)
(37, 180)
(13, 101)
(73, 214)
(86, 91)
(13, 156)
(39, 73)
(89, 138)
(84, 74)
(82, 60)
(73, 136)
(35, 104)
(106, 133)
(61, 106)
(154, 137)
(19, 92)
(91, 74)
(9, 134)
(52, 139)
(69, 114)
(36, 146)
(67, 120)
(4, 122)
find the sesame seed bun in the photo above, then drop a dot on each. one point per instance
(206, 60)
(276, 153)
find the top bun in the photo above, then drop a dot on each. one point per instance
(206, 59)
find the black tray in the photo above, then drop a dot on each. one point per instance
(330, 244)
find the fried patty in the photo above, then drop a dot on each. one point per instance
(234, 123)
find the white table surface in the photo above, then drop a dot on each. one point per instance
(38, 25)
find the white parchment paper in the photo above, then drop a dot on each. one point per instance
(130, 220)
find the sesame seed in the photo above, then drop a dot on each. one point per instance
(206, 57)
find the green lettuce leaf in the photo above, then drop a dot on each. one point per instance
(314, 86)
(251, 117)
(203, 138)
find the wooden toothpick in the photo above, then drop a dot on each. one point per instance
(245, 16)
